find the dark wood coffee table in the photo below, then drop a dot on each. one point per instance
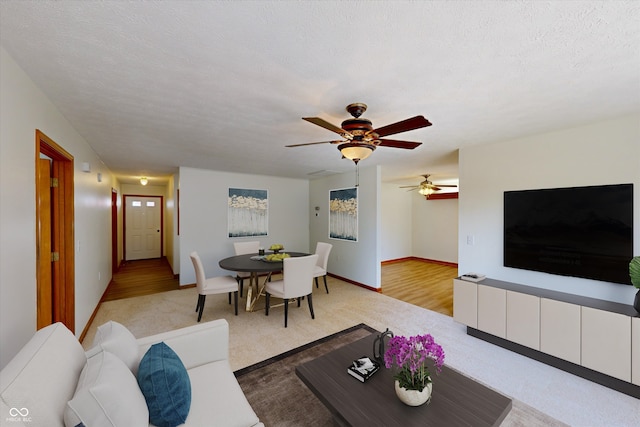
(456, 400)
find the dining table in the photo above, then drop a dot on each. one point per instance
(257, 265)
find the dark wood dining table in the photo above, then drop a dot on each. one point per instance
(252, 264)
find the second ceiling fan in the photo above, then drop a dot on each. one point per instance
(426, 187)
(360, 139)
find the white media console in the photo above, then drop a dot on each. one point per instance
(595, 339)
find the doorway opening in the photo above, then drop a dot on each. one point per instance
(55, 278)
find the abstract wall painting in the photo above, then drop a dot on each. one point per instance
(343, 214)
(248, 212)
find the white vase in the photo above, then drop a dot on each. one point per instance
(414, 397)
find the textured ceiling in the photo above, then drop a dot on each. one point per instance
(223, 85)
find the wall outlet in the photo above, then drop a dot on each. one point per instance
(471, 240)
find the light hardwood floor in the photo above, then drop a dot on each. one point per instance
(425, 284)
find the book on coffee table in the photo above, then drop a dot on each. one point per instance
(363, 368)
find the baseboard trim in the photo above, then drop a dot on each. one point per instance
(397, 260)
(90, 321)
(586, 373)
(414, 258)
(353, 282)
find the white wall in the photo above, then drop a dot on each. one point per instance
(396, 213)
(435, 229)
(23, 109)
(601, 153)
(92, 229)
(144, 190)
(203, 216)
(175, 261)
(170, 231)
(358, 261)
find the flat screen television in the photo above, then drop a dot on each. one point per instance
(580, 231)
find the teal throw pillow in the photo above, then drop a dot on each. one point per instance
(166, 387)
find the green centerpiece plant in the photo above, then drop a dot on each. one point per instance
(634, 273)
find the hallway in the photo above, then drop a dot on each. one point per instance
(141, 277)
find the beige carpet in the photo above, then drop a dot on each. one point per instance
(267, 384)
(255, 337)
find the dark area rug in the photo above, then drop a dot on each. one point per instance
(280, 398)
(276, 393)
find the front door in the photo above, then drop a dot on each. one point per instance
(143, 224)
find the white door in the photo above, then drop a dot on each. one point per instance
(143, 225)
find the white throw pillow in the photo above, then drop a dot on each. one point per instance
(117, 339)
(107, 395)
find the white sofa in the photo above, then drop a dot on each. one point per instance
(37, 385)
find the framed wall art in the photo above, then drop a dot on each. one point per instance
(343, 214)
(248, 212)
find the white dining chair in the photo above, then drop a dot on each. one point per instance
(243, 248)
(212, 285)
(297, 282)
(322, 250)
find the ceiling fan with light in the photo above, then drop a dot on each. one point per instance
(426, 187)
(360, 139)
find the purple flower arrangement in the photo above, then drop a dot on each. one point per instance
(410, 356)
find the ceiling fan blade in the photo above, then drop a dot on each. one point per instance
(325, 124)
(408, 186)
(416, 122)
(409, 145)
(446, 185)
(313, 143)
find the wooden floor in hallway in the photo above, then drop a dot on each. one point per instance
(141, 277)
(422, 283)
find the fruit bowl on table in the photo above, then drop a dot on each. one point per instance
(276, 248)
(275, 257)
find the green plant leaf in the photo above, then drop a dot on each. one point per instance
(634, 271)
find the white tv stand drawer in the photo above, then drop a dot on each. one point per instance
(563, 330)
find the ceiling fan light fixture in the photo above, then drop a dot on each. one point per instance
(426, 191)
(356, 151)
(144, 180)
